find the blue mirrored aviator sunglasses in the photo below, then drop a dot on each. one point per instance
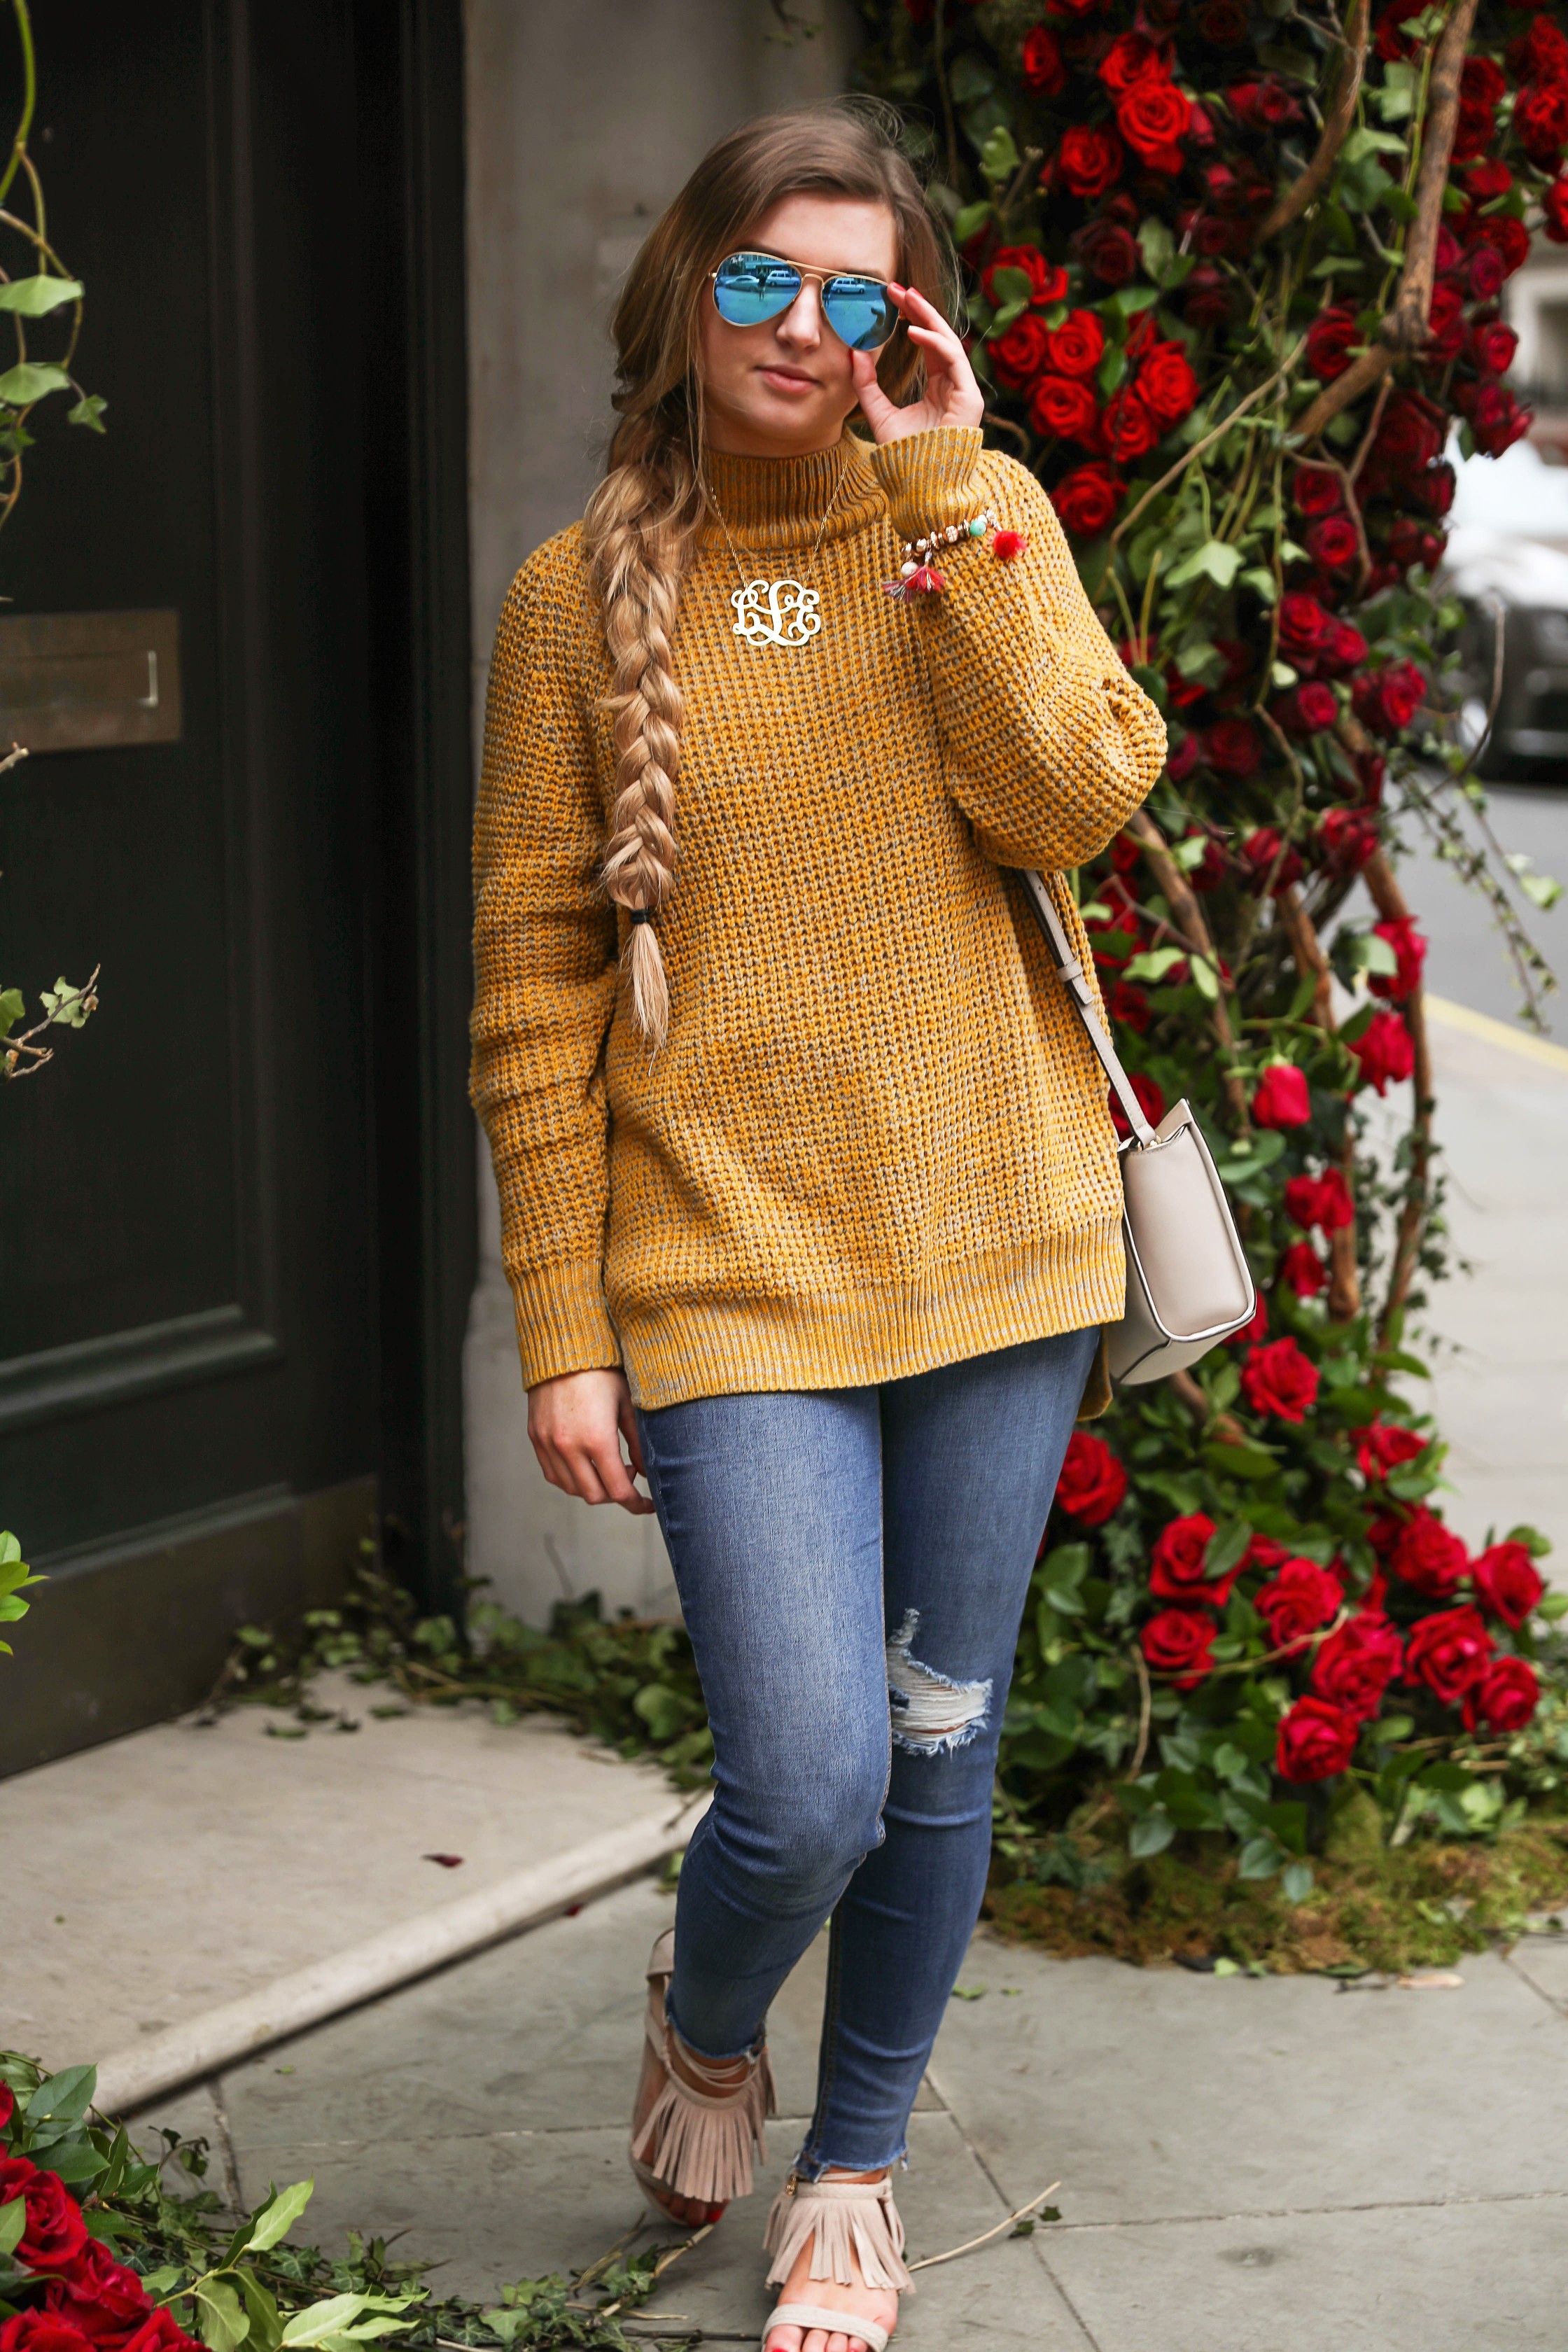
(749, 287)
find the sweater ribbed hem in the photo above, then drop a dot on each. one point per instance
(562, 1322)
(854, 1338)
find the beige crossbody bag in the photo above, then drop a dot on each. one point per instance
(1188, 1283)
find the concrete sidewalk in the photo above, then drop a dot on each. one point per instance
(1278, 2166)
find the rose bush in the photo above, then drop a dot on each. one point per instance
(1287, 269)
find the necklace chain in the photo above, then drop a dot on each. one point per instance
(781, 612)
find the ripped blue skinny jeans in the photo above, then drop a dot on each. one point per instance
(852, 1565)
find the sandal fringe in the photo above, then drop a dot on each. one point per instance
(840, 2217)
(697, 2143)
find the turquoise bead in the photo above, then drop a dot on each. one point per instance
(977, 529)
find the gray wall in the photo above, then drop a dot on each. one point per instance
(584, 118)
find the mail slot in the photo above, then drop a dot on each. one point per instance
(89, 681)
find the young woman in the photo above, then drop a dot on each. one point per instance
(809, 1190)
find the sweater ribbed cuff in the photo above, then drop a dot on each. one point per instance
(563, 1323)
(928, 479)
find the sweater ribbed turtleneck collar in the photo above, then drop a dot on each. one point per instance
(781, 502)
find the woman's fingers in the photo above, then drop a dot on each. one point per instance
(576, 1422)
(877, 408)
(633, 1435)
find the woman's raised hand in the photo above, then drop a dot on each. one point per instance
(951, 395)
(576, 1423)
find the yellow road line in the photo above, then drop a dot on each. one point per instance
(1497, 1033)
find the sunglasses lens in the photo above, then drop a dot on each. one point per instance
(860, 310)
(750, 286)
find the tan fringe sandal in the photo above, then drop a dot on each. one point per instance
(841, 2217)
(696, 2142)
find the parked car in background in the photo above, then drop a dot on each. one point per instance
(1507, 564)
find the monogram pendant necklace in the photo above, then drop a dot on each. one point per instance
(777, 612)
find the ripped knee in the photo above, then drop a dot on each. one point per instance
(932, 1714)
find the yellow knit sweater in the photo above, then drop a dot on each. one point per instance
(877, 1138)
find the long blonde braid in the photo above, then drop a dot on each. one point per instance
(638, 531)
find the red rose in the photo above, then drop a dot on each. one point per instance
(1315, 1740)
(1345, 650)
(1152, 115)
(1445, 325)
(1232, 748)
(1336, 1210)
(1180, 1642)
(1428, 1555)
(1043, 71)
(1448, 1652)
(1482, 82)
(1493, 346)
(1064, 409)
(1128, 429)
(1316, 490)
(1486, 273)
(1387, 700)
(1205, 297)
(1077, 346)
(1281, 1099)
(54, 2232)
(98, 2295)
(1409, 438)
(1543, 50)
(1018, 356)
(1087, 499)
(1224, 24)
(1355, 1667)
(1265, 105)
(1555, 202)
(1279, 1379)
(1047, 279)
(1329, 340)
(41, 2331)
(1271, 866)
(1496, 419)
(1304, 629)
(1089, 159)
(1129, 55)
(1307, 709)
(1150, 1092)
(1167, 384)
(1409, 541)
(1301, 1270)
(1128, 1006)
(1485, 181)
(1299, 1599)
(1107, 251)
(1384, 1051)
(1508, 1583)
(1508, 238)
(1349, 837)
(1176, 1571)
(1410, 954)
(1333, 543)
(161, 2331)
(1541, 118)
(1504, 1699)
(1092, 1481)
(1385, 1445)
(7, 2105)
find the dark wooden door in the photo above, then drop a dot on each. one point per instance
(203, 1347)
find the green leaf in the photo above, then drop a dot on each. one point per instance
(1553, 1608)
(89, 411)
(971, 219)
(278, 2215)
(34, 298)
(1366, 141)
(64, 2097)
(1260, 1858)
(1012, 285)
(1153, 964)
(1225, 1548)
(1206, 979)
(1261, 581)
(265, 2327)
(1241, 1461)
(1297, 1882)
(1219, 561)
(998, 157)
(1112, 368)
(1158, 247)
(222, 2321)
(74, 2160)
(1151, 1834)
(13, 2221)
(31, 380)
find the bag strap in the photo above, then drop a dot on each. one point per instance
(1073, 980)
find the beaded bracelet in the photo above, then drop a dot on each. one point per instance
(918, 576)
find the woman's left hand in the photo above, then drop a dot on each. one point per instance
(951, 395)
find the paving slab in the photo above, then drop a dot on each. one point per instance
(1159, 2093)
(270, 1853)
(1247, 2166)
